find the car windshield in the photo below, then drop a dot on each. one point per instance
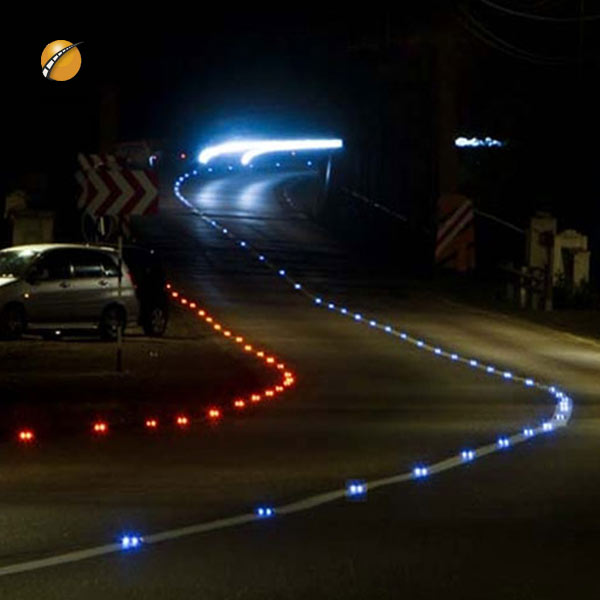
(14, 263)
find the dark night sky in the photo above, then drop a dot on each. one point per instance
(186, 79)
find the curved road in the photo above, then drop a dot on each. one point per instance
(516, 524)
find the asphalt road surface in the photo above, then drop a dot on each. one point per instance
(521, 523)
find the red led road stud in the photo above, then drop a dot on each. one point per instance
(182, 421)
(151, 423)
(239, 403)
(100, 427)
(255, 398)
(26, 436)
(269, 393)
(214, 413)
(175, 294)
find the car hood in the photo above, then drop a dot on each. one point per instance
(7, 280)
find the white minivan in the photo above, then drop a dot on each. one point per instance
(52, 287)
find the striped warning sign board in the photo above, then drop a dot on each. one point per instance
(455, 241)
(109, 188)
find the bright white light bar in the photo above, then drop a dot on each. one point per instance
(289, 146)
(226, 148)
(487, 142)
(252, 148)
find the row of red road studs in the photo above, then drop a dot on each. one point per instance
(285, 378)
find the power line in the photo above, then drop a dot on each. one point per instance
(532, 16)
(480, 31)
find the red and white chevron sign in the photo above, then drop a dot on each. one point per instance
(455, 241)
(108, 188)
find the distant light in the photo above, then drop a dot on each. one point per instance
(277, 164)
(454, 356)
(282, 272)
(503, 442)
(309, 163)
(229, 168)
(182, 155)
(297, 286)
(473, 362)
(318, 300)
(474, 142)
(507, 375)
(528, 432)
(438, 350)
(547, 426)
(265, 511)
(357, 317)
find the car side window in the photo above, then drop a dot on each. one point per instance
(87, 264)
(52, 266)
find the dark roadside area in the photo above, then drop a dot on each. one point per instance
(383, 247)
(64, 386)
(481, 293)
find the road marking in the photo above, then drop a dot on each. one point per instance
(308, 503)
(560, 418)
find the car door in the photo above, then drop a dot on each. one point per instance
(48, 295)
(92, 285)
